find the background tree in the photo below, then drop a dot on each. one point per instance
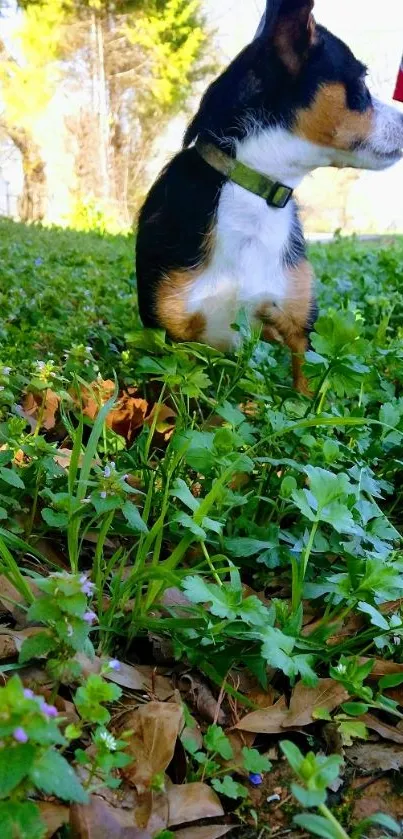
(27, 85)
(129, 65)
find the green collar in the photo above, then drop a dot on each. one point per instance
(274, 193)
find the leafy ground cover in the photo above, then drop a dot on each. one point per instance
(202, 571)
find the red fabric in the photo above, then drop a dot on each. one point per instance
(398, 94)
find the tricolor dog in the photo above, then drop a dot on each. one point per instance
(219, 230)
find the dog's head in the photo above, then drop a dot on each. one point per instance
(299, 78)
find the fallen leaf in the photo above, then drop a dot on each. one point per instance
(12, 600)
(53, 552)
(154, 728)
(381, 667)
(35, 677)
(54, 816)
(34, 407)
(379, 797)
(126, 676)
(94, 396)
(166, 418)
(199, 696)
(327, 694)
(267, 720)
(212, 831)
(142, 678)
(11, 640)
(99, 820)
(191, 802)
(375, 757)
(127, 416)
(151, 811)
(388, 732)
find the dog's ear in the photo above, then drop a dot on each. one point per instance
(290, 26)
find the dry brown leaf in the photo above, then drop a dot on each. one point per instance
(382, 668)
(127, 416)
(375, 757)
(212, 831)
(155, 728)
(98, 820)
(143, 678)
(12, 600)
(267, 720)
(165, 420)
(127, 676)
(11, 640)
(35, 677)
(199, 696)
(388, 732)
(191, 802)
(327, 694)
(94, 396)
(54, 816)
(32, 408)
(146, 678)
(151, 811)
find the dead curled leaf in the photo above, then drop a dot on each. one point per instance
(44, 405)
(13, 602)
(165, 422)
(375, 757)
(151, 811)
(54, 816)
(154, 728)
(11, 640)
(99, 820)
(199, 696)
(327, 695)
(212, 831)
(191, 802)
(382, 667)
(388, 732)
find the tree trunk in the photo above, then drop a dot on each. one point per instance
(32, 202)
(101, 96)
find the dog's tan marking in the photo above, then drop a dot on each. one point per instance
(172, 295)
(330, 122)
(289, 323)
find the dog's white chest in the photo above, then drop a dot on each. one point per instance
(246, 265)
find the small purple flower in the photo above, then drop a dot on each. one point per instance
(28, 693)
(38, 261)
(48, 710)
(255, 779)
(103, 494)
(87, 587)
(114, 664)
(107, 472)
(90, 617)
(20, 735)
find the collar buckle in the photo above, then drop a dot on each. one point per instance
(279, 196)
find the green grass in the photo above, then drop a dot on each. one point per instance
(299, 498)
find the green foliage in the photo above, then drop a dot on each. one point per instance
(248, 488)
(63, 608)
(316, 773)
(90, 698)
(29, 760)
